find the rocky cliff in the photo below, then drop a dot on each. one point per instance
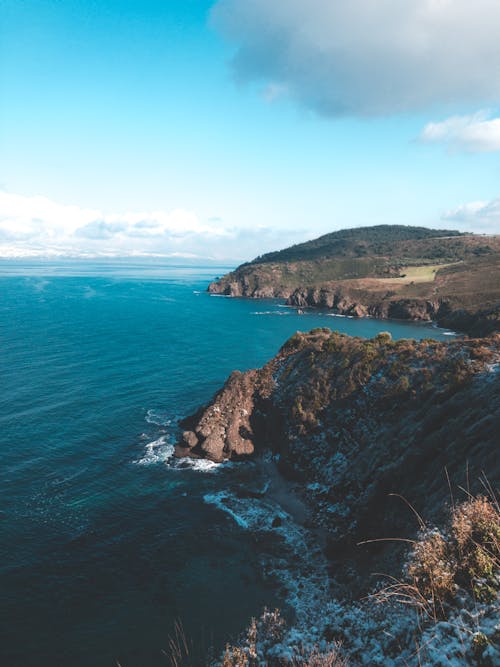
(356, 419)
(350, 424)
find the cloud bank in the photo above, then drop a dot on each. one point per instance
(37, 226)
(479, 216)
(476, 133)
(367, 57)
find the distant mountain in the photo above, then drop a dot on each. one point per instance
(384, 271)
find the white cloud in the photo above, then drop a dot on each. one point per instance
(476, 133)
(37, 226)
(479, 216)
(368, 57)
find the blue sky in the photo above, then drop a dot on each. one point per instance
(229, 128)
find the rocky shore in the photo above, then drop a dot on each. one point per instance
(351, 301)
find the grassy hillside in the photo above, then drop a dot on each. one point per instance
(377, 271)
(361, 241)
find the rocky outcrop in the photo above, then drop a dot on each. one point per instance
(252, 284)
(355, 420)
(223, 430)
(359, 303)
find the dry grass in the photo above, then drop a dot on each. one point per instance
(235, 656)
(465, 555)
(266, 630)
(331, 658)
(476, 529)
(432, 569)
(180, 648)
(417, 274)
(265, 633)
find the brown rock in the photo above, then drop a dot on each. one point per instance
(223, 430)
(189, 439)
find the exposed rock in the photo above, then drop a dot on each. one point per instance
(224, 431)
(189, 439)
(355, 420)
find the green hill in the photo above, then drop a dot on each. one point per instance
(383, 271)
(359, 242)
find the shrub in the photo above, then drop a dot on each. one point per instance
(234, 656)
(383, 337)
(466, 555)
(330, 658)
(431, 568)
(475, 527)
(262, 633)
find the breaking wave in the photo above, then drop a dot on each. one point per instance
(248, 513)
(157, 451)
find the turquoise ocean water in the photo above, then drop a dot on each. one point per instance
(104, 542)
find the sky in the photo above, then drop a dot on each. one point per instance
(223, 129)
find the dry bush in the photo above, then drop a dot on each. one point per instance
(264, 632)
(475, 527)
(270, 626)
(234, 656)
(331, 658)
(465, 555)
(431, 568)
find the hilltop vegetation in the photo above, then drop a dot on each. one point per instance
(383, 271)
(362, 241)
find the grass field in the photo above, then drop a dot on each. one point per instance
(417, 274)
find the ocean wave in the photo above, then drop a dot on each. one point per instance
(296, 561)
(248, 513)
(158, 417)
(156, 451)
(269, 312)
(199, 465)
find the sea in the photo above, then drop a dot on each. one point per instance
(107, 544)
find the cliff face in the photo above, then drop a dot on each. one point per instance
(354, 420)
(454, 280)
(448, 309)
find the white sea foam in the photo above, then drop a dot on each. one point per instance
(248, 513)
(269, 312)
(449, 333)
(335, 315)
(299, 563)
(200, 465)
(157, 451)
(158, 417)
